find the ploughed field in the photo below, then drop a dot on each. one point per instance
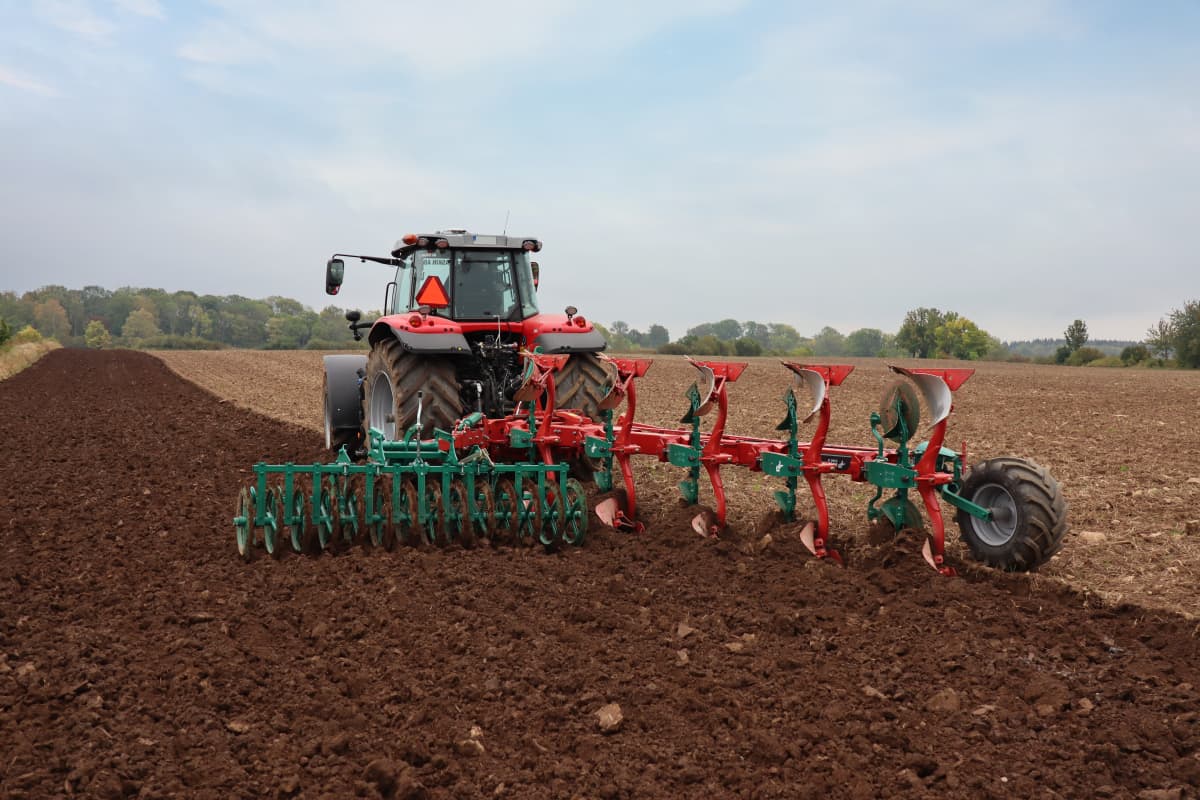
(140, 657)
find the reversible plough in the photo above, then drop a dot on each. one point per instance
(511, 479)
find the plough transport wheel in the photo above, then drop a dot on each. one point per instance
(1029, 514)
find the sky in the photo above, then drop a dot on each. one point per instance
(1023, 163)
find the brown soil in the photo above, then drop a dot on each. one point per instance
(1123, 443)
(140, 657)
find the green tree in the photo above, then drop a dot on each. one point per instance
(829, 342)
(199, 322)
(1076, 335)
(1134, 354)
(727, 330)
(918, 333)
(865, 342)
(747, 347)
(1160, 338)
(139, 325)
(96, 336)
(5, 331)
(758, 332)
(290, 333)
(959, 337)
(1084, 355)
(50, 319)
(15, 310)
(1185, 325)
(784, 338)
(657, 336)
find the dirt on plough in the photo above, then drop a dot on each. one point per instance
(140, 657)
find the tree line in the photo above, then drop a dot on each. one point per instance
(133, 317)
(153, 318)
(925, 333)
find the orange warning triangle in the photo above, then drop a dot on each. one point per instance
(433, 293)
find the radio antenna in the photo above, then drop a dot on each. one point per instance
(506, 213)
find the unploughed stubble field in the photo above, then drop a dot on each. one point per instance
(1123, 443)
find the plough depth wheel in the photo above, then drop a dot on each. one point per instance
(1029, 514)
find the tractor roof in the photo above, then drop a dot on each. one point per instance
(458, 238)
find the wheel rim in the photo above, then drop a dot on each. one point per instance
(348, 516)
(406, 514)
(274, 504)
(485, 501)
(529, 511)
(382, 409)
(435, 524)
(507, 507)
(1001, 528)
(244, 523)
(382, 533)
(575, 527)
(554, 519)
(325, 523)
(296, 528)
(461, 528)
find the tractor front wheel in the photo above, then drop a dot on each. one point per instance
(394, 377)
(1029, 514)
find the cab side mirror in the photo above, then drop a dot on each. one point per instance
(533, 265)
(335, 272)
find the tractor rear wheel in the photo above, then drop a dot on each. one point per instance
(394, 377)
(581, 384)
(1029, 514)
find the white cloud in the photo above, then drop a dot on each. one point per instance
(458, 37)
(25, 83)
(74, 16)
(142, 8)
(222, 44)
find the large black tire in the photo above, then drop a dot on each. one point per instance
(1029, 514)
(336, 438)
(406, 374)
(581, 384)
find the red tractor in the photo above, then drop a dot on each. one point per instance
(459, 312)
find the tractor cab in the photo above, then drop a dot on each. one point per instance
(466, 277)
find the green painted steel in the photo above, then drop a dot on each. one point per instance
(409, 491)
(788, 464)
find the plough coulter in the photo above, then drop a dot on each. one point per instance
(476, 416)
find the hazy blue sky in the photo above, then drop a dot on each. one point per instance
(1023, 162)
